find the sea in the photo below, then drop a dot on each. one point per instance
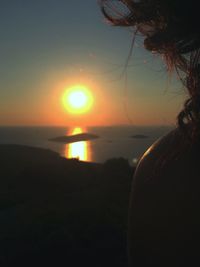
(129, 142)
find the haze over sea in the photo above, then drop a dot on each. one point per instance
(113, 142)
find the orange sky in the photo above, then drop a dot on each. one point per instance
(46, 49)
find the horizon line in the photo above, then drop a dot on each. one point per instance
(90, 126)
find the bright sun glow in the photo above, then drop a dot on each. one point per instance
(77, 99)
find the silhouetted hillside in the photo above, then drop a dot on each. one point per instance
(62, 212)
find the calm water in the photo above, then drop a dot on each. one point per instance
(114, 142)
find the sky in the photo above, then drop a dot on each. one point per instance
(48, 46)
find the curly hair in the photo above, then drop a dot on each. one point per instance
(170, 28)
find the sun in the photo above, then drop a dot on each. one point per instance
(77, 99)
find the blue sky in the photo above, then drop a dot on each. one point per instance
(48, 45)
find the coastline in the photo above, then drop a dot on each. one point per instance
(62, 204)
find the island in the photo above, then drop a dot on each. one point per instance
(74, 138)
(140, 136)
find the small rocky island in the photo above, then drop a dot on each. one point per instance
(140, 136)
(74, 138)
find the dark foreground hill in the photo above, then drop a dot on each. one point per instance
(58, 212)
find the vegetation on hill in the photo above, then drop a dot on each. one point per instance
(62, 212)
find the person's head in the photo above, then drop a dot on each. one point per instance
(170, 28)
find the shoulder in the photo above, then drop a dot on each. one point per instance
(160, 153)
(161, 146)
(163, 197)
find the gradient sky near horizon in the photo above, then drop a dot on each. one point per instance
(48, 46)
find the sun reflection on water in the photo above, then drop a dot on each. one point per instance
(79, 150)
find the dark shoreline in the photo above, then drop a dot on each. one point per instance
(54, 210)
